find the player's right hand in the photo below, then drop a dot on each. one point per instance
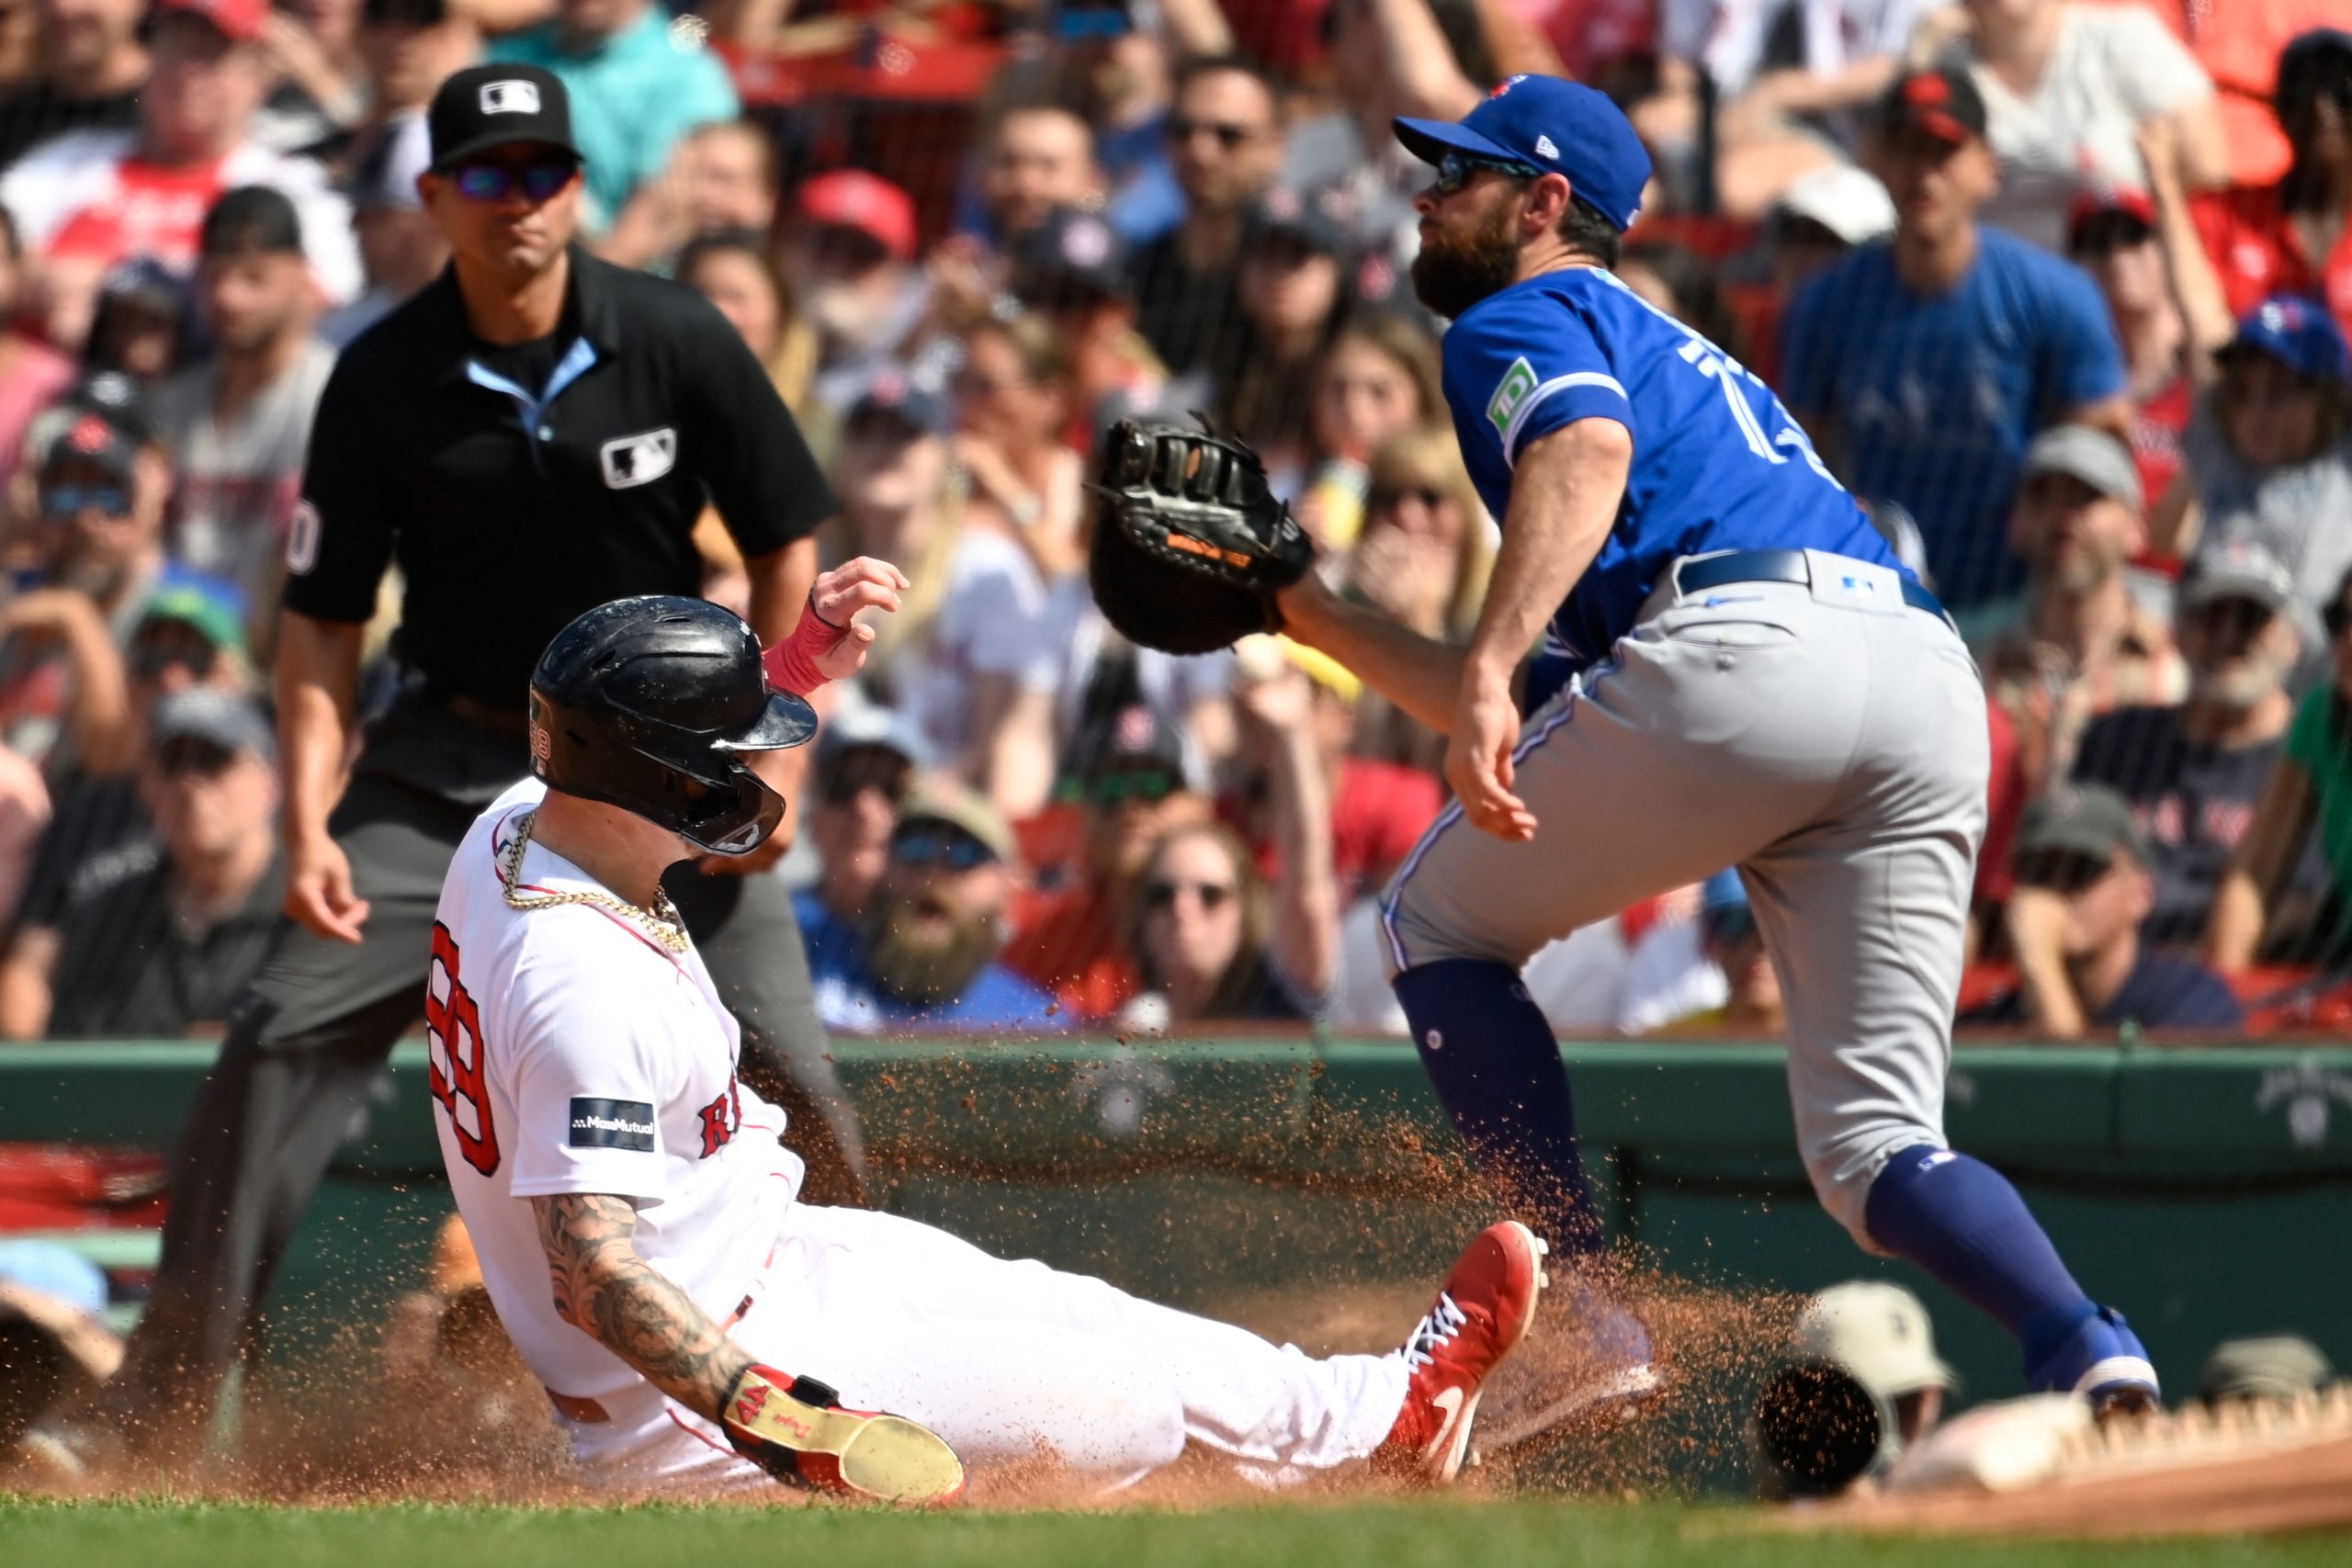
(319, 894)
(1478, 765)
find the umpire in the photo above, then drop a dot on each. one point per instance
(533, 433)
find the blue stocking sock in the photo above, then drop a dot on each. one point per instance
(1960, 1220)
(1491, 1055)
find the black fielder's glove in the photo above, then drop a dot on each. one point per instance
(1190, 546)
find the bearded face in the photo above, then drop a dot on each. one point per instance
(928, 937)
(1463, 262)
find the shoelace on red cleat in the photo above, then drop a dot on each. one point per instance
(1444, 1321)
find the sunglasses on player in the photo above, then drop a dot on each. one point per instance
(538, 180)
(1456, 170)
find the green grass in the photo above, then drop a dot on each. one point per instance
(1446, 1534)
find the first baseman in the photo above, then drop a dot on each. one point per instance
(1758, 684)
(637, 1215)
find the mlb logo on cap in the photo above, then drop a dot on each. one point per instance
(510, 97)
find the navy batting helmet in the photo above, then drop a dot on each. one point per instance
(650, 704)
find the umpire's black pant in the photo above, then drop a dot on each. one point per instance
(307, 1037)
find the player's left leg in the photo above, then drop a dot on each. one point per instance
(1014, 1361)
(1864, 917)
(744, 928)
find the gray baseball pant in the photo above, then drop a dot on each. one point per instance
(1830, 744)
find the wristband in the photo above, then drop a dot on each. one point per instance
(791, 664)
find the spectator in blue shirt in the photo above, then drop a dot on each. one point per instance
(923, 954)
(1924, 364)
(2083, 890)
(639, 81)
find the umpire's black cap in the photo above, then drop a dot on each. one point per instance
(495, 106)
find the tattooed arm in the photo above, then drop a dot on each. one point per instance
(605, 1290)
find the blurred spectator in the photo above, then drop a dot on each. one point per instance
(2077, 643)
(1788, 79)
(1295, 291)
(411, 46)
(2083, 888)
(2066, 88)
(2310, 788)
(922, 952)
(100, 490)
(400, 249)
(867, 759)
(54, 1344)
(1924, 366)
(1109, 60)
(638, 82)
(239, 423)
(2279, 1366)
(1728, 940)
(986, 700)
(1815, 223)
(2270, 446)
(187, 639)
(1376, 811)
(321, 95)
(1210, 944)
(2294, 236)
(1072, 270)
(851, 253)
(1862, 1385)
(901, 500)
(721, 179)
(31, 373)
(1682, 282)
(2193, 770)
(1421, 559)
(93, 198)
(2112, 234)
(1225, 143)
(161, 947)
(93, 65)
(732, 270)
(1377, 379)
(1127, 775)
(26, 813)
(1039, 157)
(143, 325)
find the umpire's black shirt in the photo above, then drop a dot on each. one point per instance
(518, 486)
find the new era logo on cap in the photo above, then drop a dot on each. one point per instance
(510, 97)
(1543, 148)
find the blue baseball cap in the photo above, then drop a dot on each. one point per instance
(1551, 126)
(2298, 332)
(54, 1270)
(1724, 910)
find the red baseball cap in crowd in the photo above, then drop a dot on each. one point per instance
(240, 19)
(1944, 103)
(2111, 202)
(867, 203)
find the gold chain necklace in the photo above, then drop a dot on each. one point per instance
(662, 922)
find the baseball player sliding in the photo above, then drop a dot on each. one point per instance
(634, 1208)
(1757, 684)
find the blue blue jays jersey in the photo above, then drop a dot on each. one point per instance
(1718, 464)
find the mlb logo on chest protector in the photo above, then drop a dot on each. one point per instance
(510, 97)
(639, 459)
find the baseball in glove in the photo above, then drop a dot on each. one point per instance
(1190, 546)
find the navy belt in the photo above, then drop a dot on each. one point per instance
(1696, 576)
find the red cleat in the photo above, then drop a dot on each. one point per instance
(1482, 1314)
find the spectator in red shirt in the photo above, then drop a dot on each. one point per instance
(1126, 773)
(1378, 810)
(2295, 237)
(2112, 234)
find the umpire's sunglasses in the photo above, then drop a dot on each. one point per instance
(538, 179)
(1455, 170)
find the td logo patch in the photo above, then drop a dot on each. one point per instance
(612, 1124)
(1510, 393)
(638, 459)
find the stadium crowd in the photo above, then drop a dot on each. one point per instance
(2059, 289)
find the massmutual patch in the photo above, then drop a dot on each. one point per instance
(612, 1124)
